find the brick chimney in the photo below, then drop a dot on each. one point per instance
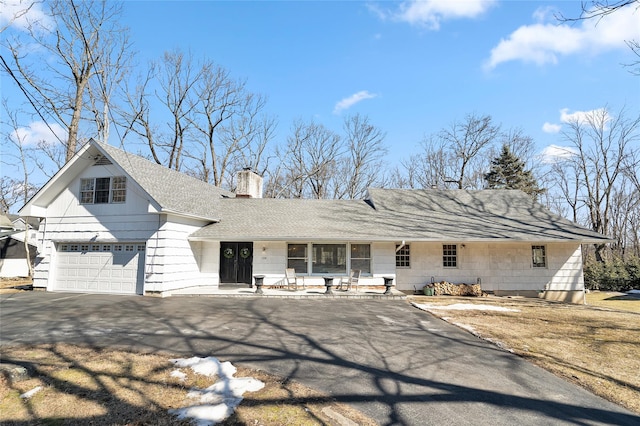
(249, 184)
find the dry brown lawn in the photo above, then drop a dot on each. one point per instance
(14, 285)
(108, 387)
(596, 347)
(614, 300)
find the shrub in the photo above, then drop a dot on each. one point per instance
(615, 274)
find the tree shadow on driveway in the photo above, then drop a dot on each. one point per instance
(395, 363)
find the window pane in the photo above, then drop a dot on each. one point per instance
(300, 265)
(102, 190)
(119, 189)
(539, 256)
(86, 184)
(297, 257)
(361, 257)
(360, 251)
(86, 191)
(329, 259)
(364, 265)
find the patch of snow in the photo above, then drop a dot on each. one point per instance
(218, 401)
(179, 374)
(463, 307)
(32, 392)
(469, 328)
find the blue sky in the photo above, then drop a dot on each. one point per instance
(414, 73)
(411, 67)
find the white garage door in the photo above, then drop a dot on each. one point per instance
(100, 268)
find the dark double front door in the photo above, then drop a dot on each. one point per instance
(236, 263)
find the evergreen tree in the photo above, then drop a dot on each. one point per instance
(508, 172)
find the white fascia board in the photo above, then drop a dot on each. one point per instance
(31, 210)
(57, 183)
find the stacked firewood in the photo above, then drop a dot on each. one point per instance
(451, 289)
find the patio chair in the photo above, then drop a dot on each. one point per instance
(350, 281)
(292, 279)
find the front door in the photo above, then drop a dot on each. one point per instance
(236, 262)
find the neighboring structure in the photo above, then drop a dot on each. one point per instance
(13, 253)
(113, 222)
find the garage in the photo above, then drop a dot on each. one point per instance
(116, 268)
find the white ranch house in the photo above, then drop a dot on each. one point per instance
(113, 222)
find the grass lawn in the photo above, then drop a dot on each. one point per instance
(80, 386)
(613, 300)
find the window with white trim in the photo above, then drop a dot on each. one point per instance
(297, 257)
(329, 258)
(539, 256)
(449, 255)
(361, 258)
(103, 190)
(403, 256)
(334, 259)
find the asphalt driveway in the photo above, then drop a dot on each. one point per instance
(394, 362)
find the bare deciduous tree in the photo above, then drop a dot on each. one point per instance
(467, 140)
(597, 10)
(456, 157)
(15, 189)
(363, 166)
(84, 41)
(604, 146)
(308, 162)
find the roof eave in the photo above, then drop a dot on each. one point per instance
(189, 215)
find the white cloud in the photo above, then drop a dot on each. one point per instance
(38, 131)
(429, 13)
(582, 117)
(554, 153)
(23, 14)
(544, 43)
(599, 115)
(551, 128)
(347, 103)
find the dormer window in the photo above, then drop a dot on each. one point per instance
(103, 190)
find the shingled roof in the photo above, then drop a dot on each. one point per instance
(395, 215)
(174, 191)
